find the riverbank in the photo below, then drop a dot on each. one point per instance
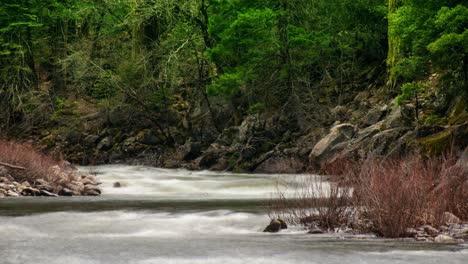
(27, 172)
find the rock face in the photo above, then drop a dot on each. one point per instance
(329, 144)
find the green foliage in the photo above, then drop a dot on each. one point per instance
(409, 91)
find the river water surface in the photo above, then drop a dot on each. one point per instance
(177, 216)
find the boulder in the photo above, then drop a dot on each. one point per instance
(90, 140)
(374, 115)
(450, 218)
(273, 227)
(400, 116)
(30, 191)
(326, 146)
(283, 223)
(105, 144)
(444, 239)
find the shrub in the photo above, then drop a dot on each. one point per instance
(308, 200)
(36, 165)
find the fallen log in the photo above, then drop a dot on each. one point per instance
(11, 166)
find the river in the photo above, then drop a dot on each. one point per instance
(178, 216)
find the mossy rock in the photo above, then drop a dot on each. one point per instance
(458, 113)
(436, 143)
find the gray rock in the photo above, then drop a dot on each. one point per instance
(337, 135)
(374, 115)
(400, 116)
(444, 239)
(450, 218)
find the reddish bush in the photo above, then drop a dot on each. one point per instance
(36, 165)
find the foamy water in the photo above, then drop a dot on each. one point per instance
(177, 216)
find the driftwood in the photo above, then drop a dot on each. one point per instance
(11, 166)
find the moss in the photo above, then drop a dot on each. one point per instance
(458, 113)
(437, 143)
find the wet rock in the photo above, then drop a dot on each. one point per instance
(273, 227)
(30, 191)
(444, 239)
(283, 223)
(315, 231)
(47, 193)
(119, 184)
(91, 190)
(91, 193)
(450, 218)
(66, 192)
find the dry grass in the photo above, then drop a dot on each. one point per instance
(37, 165)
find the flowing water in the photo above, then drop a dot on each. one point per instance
(177, 216)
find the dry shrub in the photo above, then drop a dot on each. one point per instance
(404, 193)
(308, 200)
(388, 195)
(37, 165)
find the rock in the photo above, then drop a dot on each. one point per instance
(148, 137)
(92, 189)
(25, 184)
(315, 231)
(273, 227)
(430, 230)
(91, 193)
(283, 223)
(12, 193)
(337, 135)
(105, 144)
(450, 218)
(3, 173)
(400, 116)
(444, 239)
(374, 115)
(43, 185)
(119, 184)
(30, 191)
(411, 232)
(66, 192)
(90, 140)
(47, 193)
(278, 164)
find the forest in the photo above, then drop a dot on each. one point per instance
(232, 84)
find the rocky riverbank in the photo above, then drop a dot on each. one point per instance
(69, 183)
(451, 231)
